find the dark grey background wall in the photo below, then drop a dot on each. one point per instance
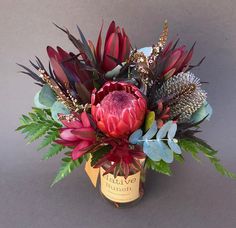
(195, 196)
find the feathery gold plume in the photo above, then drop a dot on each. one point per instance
(156, 49)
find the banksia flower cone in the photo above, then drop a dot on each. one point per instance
(118, 109)
(183, 95)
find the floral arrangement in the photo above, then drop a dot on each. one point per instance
(119, 108)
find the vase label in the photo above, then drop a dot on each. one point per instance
(119, 189)
(92, 173)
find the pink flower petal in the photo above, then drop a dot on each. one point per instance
(127, 118)
(85, 133)
(72, 124)
(67, 135)
(111, 123)
(80, 150)
(66, 143)
(85, 119)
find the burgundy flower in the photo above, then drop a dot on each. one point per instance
(117, 45)
(118, 109)
(121, 155)
(176, 59)
(77, 133)
(69, 74)
(162, 113)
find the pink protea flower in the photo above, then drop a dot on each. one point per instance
(118, 109)
(77, 133)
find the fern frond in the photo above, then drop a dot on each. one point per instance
(196, 145)
(49, 138)
(53, 150)
(40, 123)
(67, 166)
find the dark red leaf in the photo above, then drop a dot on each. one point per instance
(111, 49)
(99, 46)
(111, 29)
(188, 57)
(80, 150)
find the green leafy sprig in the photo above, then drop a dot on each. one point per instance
(67, 166)
(158, 166)
(195, 146)
(39, 123)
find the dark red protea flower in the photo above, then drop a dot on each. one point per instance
(118, 108)
(122, 157)
(77, 133)
(117, 47)
(69, 74)
(174, 60)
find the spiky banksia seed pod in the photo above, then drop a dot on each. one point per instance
(183, 94)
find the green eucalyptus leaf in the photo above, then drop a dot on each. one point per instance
(205, 111)
(150, 149)
(135, 136)
(151, 132)
(163, 130)
(147, 51)
(114, 72)
(166, 154)
(58, 108)
(172, 131)
(46, 96)
(174, 146)
(37, 102)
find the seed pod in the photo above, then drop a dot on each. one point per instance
(183, 94)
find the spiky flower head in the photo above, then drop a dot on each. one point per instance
(118, 108)
(183, 94)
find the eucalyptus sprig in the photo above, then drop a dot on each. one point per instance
(158, 144)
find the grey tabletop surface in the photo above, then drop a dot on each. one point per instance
(195, 195)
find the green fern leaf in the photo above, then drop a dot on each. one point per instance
(51, 136)
(40, 132)
(53, 150)
(34, 117)
(158, 166)
(42, 114)
(196, 145)
(67, 166)
(38, 123)
(24, 120)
